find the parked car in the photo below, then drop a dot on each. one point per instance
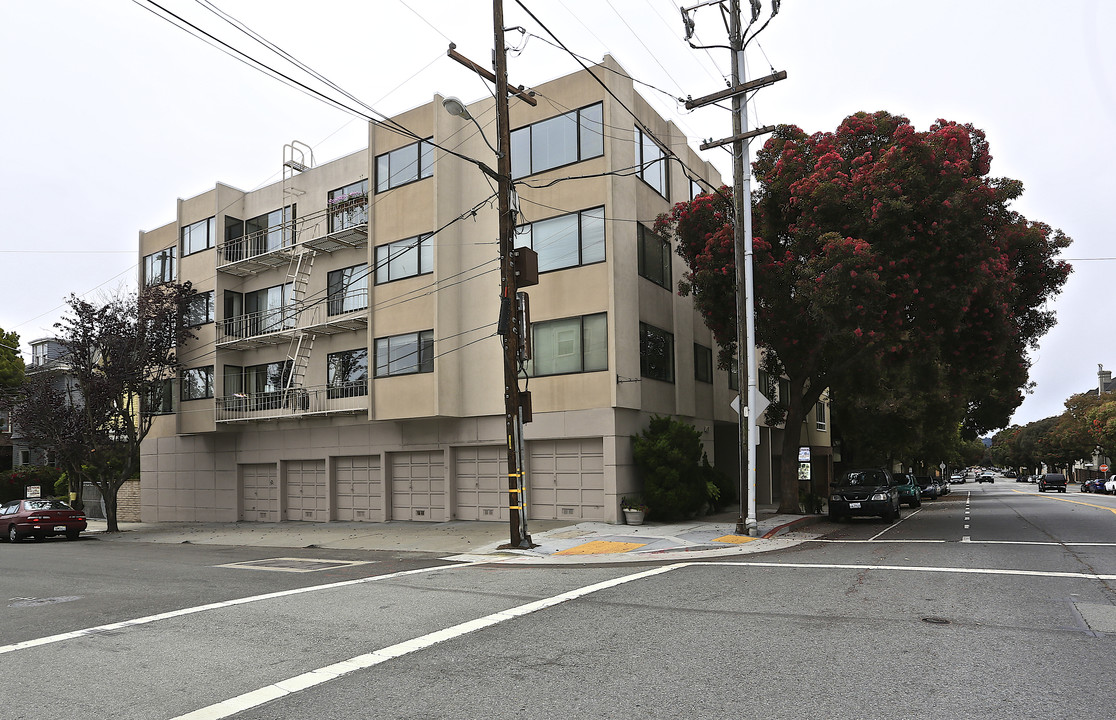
(909, 491)
(1052, 481)
(1110, 485)
(1096, 485)
(864, 492)
(1011, 474)
(943, 486)
(40, 518)
(986, 478)
(928, 486)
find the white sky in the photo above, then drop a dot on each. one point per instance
(110, 113)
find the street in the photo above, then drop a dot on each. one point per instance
(994, 601)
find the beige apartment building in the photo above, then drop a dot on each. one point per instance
(346, 366)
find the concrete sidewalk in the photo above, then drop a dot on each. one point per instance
(556, 542)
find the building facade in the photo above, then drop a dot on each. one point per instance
(346, 365)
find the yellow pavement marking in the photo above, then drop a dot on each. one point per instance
(738, 539)
(600, 547)
(1075, 502)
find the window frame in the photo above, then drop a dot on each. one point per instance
(167, 257)
(209, 313)
(703, 360)
(424, 160)
(644, 238)
(348, 206)
(206, 374)
(353, 287)
(581, 143)
(820, 416)
(585, 350)
(188, 232)
(423, 341)
(525, 237)
(346, 388)
(161, 401)
(643, 140)
(423, 244)
(645, 368)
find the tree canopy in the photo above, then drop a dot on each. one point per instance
(11, 364)
(889, 268)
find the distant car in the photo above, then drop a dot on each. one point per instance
(909, 491)
(1052, 481)
(986, 478)
(957, 479)
(864, 492)
(928, 486)
(40, 519)
(1019, 478)
(1011, 474)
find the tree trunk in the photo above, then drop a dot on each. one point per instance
(788, 464)
(77, 484)
(108, 492)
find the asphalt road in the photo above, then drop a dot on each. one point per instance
(993, 602)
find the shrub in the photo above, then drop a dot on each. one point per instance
(16, 481)
(720, 488)
(668, 456)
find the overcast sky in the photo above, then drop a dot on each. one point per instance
(110, 113)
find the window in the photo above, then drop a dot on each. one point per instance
(567, 240)
(199, 309)
(263, 385)
(160, 267)
(562, 140)
(269, 310)
(696, 189)
(347, 289)
(160, 401)
(405, 354)
(404, 165)
(199, 236)
(703, 363)
(569, 345)
(654, 257)
(348, 206)
(39, 354)
(652, 163)
(347, 373)
(405, 258)
(656, 353)
(819, 413)
(197, 383)
(268, 232)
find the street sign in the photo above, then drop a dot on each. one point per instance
(1104, 468)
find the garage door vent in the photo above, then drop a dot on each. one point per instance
(299, 565)
(567, 511)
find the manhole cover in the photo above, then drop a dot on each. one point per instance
(935, 620)
(294, 564)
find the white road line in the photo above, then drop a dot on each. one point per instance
(36, 642)
(915, 568)
(895, 524)
(292, 685)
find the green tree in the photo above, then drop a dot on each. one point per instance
(11, 364)
(668, 455)
(873, 244)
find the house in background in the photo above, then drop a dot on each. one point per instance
(346, 365)
(47, 355)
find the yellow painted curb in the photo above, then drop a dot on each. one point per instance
(600, 547)
(738, 539)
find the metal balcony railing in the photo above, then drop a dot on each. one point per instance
(349, 397)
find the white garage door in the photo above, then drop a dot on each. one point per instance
(565, 479)
(418, 486)
(307, 496)
(259, 493)
(359, 491)
(482, 483)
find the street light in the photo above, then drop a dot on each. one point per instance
(457, 108)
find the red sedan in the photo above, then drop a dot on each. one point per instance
(40, 518)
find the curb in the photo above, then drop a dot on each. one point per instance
(792, 525)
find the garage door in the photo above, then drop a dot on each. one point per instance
(418, 486)
(482, 483)
(259, 493)
(565, 479)
(307, 495)
(359, 490)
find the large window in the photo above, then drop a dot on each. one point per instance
(348, 206)
(652, 163)
(269, 310)
(567, 240)
(654, 257)
(199, 236)
(656, 353)
(404, 165)
(405, 354)
(562, 140)
(703, 363)
(160, 399)
(348, 289)
(197, 383)
(347, 373)
(405, 258)
(569, 345)
(268, 232)
(160, 267)
(199, 309)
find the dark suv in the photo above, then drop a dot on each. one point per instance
(864, 492)
(1052, 481)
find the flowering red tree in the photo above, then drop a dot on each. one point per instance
(875, 245)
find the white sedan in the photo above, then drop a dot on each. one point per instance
(1110, 485)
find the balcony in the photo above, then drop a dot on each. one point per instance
(348, 398)
(257, 251)
(348, 223)
(343, 313)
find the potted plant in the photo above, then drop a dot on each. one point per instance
(634, 511)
